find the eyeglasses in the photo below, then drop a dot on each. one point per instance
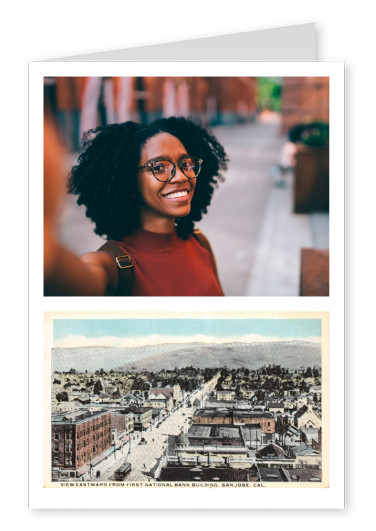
(165, 170)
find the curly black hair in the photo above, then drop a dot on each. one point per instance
(105, 176)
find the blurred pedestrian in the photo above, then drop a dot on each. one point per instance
(69, 93)
(287, 161)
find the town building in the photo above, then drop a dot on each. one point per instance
(292, 437)
(306, 455)
(235, 416)
(142, 417)
(287, 474)
(272, 451)
(304, 100)
(225, 394)
(309, 434)
(305, 417)
(200, 435)
(276, 407)
(211, 446)
(220, 404)
(161, 398)
(77, 439)
(173, 471)
(122, 421)
(254, 436)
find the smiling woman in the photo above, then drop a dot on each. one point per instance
(144, 187)
(169, 194)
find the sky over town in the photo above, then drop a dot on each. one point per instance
(145, 331)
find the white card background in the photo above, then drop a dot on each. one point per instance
(114, 498)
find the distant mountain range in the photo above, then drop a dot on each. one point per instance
(288, 354)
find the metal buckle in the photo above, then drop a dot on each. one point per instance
(126, 266)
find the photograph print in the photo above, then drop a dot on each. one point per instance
(153, 180)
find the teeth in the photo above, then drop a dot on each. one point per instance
(177, 194)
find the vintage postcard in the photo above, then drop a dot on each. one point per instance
(164, 401)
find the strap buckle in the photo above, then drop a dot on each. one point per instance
(128, 261)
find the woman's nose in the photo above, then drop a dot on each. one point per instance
(177, 175)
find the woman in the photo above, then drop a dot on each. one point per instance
(144, 187)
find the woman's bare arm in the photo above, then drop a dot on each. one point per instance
(64, 272)
(67, 274)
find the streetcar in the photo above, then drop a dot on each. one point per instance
(123, 471)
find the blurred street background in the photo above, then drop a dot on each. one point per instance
(268, 222)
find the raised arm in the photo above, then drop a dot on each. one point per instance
(64, 272)
(70, 275)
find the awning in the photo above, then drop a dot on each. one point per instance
(98, 459)
(82, 470)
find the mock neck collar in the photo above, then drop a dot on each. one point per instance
(152, 241)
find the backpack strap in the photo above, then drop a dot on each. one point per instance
(125, 267)
(204, 242)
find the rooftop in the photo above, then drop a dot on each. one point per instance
(303, 474)
(228, 412)
(167, 392)
(75, 417)
(272, 451)
(304, 449)
(203, 430)
(271, 474)
(198, 474)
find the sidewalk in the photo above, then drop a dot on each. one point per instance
(276, 265)
(256, 237)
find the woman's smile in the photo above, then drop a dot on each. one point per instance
(163, 201)
(179, 195)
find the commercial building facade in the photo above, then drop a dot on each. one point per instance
(79, 437)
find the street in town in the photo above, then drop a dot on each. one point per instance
(144, 458)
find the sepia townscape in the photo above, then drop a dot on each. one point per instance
(187, 424)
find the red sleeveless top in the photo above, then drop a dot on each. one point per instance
(166, 265)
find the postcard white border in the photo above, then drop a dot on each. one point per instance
(333, 497)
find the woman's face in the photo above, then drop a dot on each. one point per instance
(162, 202)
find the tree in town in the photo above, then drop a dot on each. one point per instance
(281, 427)
(62, 397)
(98, 387)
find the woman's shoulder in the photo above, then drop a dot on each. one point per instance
(202, 239)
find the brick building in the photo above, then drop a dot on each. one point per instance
(216, 100)
(79, 437)
(235, 417)
(304, 100)
(122, 421)
(87, 102)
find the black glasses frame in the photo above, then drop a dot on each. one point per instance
(150, 165)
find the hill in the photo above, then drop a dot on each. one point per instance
(289, 354)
